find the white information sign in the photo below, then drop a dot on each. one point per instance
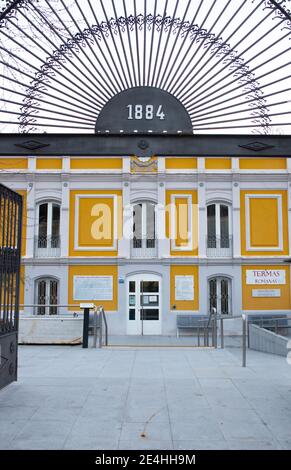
(184, 287)
(93, 287)
(266, 276)
(266, 292)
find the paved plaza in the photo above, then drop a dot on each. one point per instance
(146, 398)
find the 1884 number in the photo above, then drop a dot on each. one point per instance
(148, 112)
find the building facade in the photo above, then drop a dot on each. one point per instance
(150, 239)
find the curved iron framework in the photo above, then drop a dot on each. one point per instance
(226, 77)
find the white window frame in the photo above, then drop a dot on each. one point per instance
(50, 204)
(46, 306)
(248, 197)
(115, 222)
(217, 205)
(144, 204)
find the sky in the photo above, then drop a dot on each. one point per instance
(227, 61)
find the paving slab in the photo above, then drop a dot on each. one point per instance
(154, 397)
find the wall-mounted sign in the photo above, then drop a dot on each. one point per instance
(266, 293)
(184, 287)
(144, 110)
(93, 287)
(266, 276)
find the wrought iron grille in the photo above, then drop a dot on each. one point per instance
(226, 61)
(10, 253)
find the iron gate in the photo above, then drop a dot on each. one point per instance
(10, 255)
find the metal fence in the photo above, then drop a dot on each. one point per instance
(10, 256)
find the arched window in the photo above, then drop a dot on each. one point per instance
(219, 295)
(144, 229)
(47, 292)
(219, 238)
(48, 229)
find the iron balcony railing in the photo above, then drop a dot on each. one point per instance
(47, 247)
(144, 248)
(219, 247)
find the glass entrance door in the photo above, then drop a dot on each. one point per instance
(144, 305)
(219, 289)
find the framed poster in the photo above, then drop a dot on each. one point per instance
(184, 287)
(93, 287)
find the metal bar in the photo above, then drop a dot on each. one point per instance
(102, 91)
(225, 43)
(43, 92)
(124, 84)
(108, 49)
(133, 71)
(67, 56)
(232, 72)
(244, 340)
(158, 84)
(221, 333)
(154, 83)
(100, 328)
(226, 92)
(86, 328)
(106, 326)
(152, 43)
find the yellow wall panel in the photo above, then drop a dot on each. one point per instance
(263, 223)
(96, 222)
(96, 163)
(181, 163)
(185, 271)
(109, 305)
(49, 163)
(262, 163)
(218, 164)
(181, 218)
(263, 233)
(266, 303)
(13, 163)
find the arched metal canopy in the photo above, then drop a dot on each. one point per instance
(226, 61)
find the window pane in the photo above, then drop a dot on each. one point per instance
(42, 226)
(41, 296)
(224, 296)
(149, 286)
(224, 226)
(149, 300)
(150, 222)
(137, 222)
(149, 314)
(211, 230)
(212, 294)
(131, 314)
(55, 226)
(53, 297)
(131, 286)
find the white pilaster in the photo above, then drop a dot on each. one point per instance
(29, 219)
(124, 243)
(236, 220)
(65, 219)
(202, 220)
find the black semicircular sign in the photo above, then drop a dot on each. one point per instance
(144, 110)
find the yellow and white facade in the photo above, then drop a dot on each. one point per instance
(161, 236)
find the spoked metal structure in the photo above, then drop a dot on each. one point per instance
(226, 61)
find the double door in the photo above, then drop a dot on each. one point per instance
(144, 305)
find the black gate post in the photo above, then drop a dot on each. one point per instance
(10, 258)
(86, 308)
